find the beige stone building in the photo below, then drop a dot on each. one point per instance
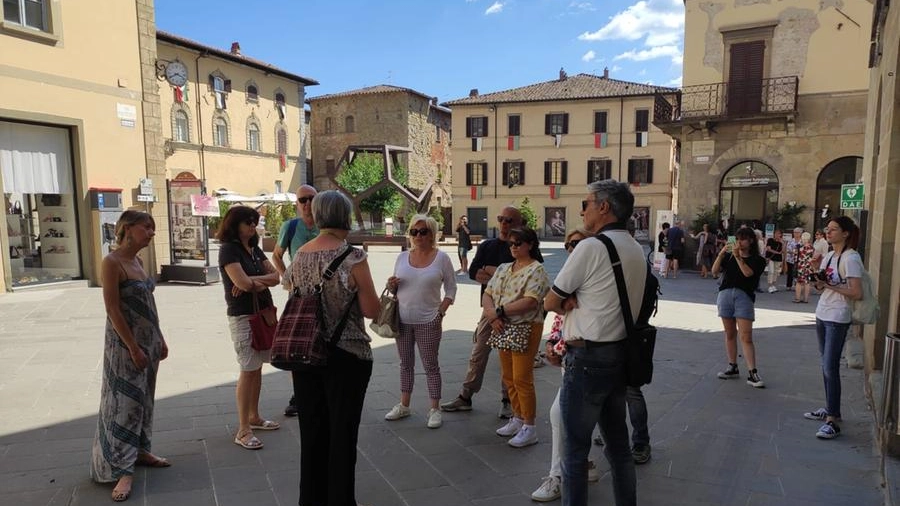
(773, 108)
(547, 141)
(79, 110)
(881, 171)
(380, 115)
(237, 122)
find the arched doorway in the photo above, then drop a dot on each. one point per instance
(846, 170)
(749, 193)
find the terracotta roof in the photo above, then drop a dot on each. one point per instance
(578, 87)
(237, 58)
(373, 90)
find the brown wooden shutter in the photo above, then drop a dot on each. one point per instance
(228, 86)
(505, 173)
(565, 123)
(631, 171)
(484, 171)
(521, 173)
(649, 171)
(565, 173)
(468, 173)
(546, 172)
(485, 132)
(547, 128)
(468, 127)
(745, 75)
(600, 122)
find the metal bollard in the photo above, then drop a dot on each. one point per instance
(890, 399)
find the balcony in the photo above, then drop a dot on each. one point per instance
(772, 97)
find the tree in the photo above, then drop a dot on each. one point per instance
(529, 217)
(366, 170)
(788, 217)
(706, 217)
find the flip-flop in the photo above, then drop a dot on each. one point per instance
(150, 460)
(265, 425)
(250, 444)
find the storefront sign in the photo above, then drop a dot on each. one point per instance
(852, 196)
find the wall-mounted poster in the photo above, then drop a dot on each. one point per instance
(186, 228)
(640, 223)
(554, 222)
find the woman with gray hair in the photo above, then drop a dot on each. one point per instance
(418, 277)
(330, 398)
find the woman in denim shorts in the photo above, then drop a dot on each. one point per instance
(742, 266)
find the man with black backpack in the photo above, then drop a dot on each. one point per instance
(294, 234)
(603, 335)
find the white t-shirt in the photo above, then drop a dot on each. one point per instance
(832, 306)
(588, 275)
(419, 292)
(821, 247)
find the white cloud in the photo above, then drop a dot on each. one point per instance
(615, 68)
(654, 52)
(582, 6)
(494, 9)
(589, 56)
(675, 82)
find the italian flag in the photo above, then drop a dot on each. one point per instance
(600, 140)
(181, 93)
(475, 192)
(512, 143)
(282, 162)
(554, 191)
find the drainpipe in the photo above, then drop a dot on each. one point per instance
(200, 152)
(621, 126)
(496, 147)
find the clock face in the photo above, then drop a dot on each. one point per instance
(176, 73)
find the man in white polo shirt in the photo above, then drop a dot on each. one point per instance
(593, 388)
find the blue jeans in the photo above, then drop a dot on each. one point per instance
(593, 390)
(637, 412)
(831, 343)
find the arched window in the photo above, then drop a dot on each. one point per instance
(252, 93)
(329, 127)
(749, 193)
(253, 143)
(220, 131)
(281, 146)
(846, 170)
(279, 98)
(349, 124)
(181, 127)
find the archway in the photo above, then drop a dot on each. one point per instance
(749, 193)
(846, 170)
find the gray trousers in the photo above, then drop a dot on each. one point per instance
(478, 361)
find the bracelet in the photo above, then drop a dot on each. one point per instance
(441, 314)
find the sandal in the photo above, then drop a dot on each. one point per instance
(247, 440)
(265, 425)
(119, 495)
(150, 460)
(795, 301)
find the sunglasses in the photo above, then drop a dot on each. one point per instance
(252, 223)
(515, 243)
(584, 204)
(304, 200)
(504, 219)
(418, 231)
(572, 243)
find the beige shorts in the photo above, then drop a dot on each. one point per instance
(248, 358)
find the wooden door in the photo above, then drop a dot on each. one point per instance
(745, 77)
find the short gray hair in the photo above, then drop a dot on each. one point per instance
(618, 195)
(430, 223)
(332, 209)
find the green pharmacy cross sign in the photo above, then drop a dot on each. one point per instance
(852, 196)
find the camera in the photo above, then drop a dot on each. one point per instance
(821, 276)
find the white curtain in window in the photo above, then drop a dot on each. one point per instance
(35, 159)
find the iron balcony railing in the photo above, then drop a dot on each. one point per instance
(735, 99)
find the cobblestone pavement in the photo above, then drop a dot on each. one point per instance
(714, 442)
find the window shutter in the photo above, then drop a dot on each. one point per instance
(546, 124)
(212, 82)
(649, 171)
(600, 122)
(514, 127)
(546, 172)
(485, 132)
(641, 121)
(590, 176)
(607, 169)
(631, 171)
(521, 173)
(565, 173)
(468, 127)
(484, 170)
(228, 86)
(468, 174)
(565, 129)
(505, 173)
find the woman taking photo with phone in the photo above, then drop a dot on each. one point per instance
(839, 281)
(742, 266)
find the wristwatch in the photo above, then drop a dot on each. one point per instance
(500, 311)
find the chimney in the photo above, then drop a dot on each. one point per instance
(434, 101)
(236, 48)
(562, 74)
(473, 92)
(606, 72)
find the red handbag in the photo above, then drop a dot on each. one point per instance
(262, 326)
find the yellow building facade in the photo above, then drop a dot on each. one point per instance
(77, 102)
(546, 142)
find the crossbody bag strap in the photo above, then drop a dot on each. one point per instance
(328, 274)
(624, 303)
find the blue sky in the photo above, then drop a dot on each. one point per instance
(442, 48)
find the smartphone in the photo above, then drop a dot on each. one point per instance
(729, 246)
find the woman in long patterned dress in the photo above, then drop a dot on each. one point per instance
(133, 347)
(805, 269)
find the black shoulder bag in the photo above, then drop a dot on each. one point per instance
(640, 339)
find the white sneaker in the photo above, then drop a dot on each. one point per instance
(397, 412)
(434, 418)
(511, 428)
(593, 473)
(526, 436)
(549, 490)
(772, 289)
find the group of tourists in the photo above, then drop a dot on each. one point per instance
(586, 339)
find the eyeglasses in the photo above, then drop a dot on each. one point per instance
(505, 219)
(304, 200)
(252, 222)
(584, 204)
(572, 243)
(417, 231)
(515, 243)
